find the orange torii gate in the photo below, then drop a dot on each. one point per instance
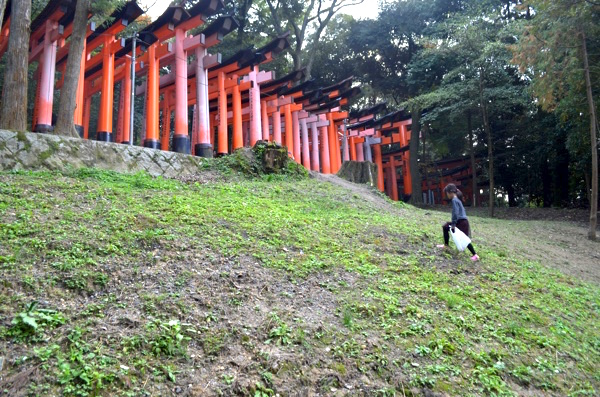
(321, 112)
(105, 61)
(198, 43)
(441, 172)
(385, 141)
(216, 81)
(239, 77)
(192, 80)
(49, 47)
(371, 139)
(233, 94)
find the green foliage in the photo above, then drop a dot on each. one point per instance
(166, 338)
(389, 302)
(32, 323)
(280, 333)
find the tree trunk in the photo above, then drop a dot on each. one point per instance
(415, 173)
(547, 191)
(14, 96)
(488, 132)
(594, 141)
(65, 124)
(472, 154)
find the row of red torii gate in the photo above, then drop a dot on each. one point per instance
(231, 103)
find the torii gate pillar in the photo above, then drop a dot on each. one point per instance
(324, 141)
(181, 139)
(379, 161)
(46, 82)
(222, 141)
(360, 154)
(289, 135)
(305, 148)
(406, 160)
(296, 133)
(236, 103)
(79, 104)
(151, 140)
(345, 151)
(255, 113)
(265, 121)
(105, 116)
(203, 148)
(277, 125)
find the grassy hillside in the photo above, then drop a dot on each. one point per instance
(121, 285)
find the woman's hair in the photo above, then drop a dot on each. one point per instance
(451, 188)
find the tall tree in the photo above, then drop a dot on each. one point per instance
(384, 50)
(306, 20)
(100, 9)
(553, 50)
(335, 59)
(13, 114)
(464, 70)
(66, 109)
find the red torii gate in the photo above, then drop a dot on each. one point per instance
(235, 92)
(368, 138)
(385, 141)
(49, 48)
(440, 173)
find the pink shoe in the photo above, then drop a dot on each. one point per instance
(475, 258)
(440, 246)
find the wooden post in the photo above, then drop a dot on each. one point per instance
(315, 165)
(406, 161)
(166, 124)
(394, 178)
(289, 137)
(152, 104)
(277, 125)
(265, 121)
(324, 141)
(79, 102)
(255, 113)
(181, 140)
(86, 117)
(353, 156)
(332, 137)
(238, 141)
(126, 103)
(222, 146)
(203, 147)
(379, 163)
(296, 133)
(105, 116)
(46, 81)
(360, 155)
(305, 148)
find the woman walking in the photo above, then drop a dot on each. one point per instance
(459, 219)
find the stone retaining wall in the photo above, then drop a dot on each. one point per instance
(32, 151)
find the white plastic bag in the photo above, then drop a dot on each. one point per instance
(460, 239)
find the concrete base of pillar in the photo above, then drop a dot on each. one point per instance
(79, 129)
(43, 128)
(204, 150)
(104, 136)
(181, 144)
(152, 143)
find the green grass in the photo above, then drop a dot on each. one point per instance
(144, 279)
